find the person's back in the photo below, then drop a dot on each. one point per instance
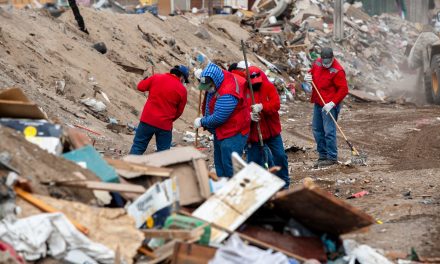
(166, 102)
(166, 93)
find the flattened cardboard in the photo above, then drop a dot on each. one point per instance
(320, 211)
(15, 104)
(167, 157)
(242, 195)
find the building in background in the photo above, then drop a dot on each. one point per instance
(421, 11)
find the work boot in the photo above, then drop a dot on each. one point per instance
(321, 163)
(318, 163)
(327, 163)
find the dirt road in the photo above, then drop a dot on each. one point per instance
(402, 176)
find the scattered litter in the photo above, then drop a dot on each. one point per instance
(358, 195)
(94, 105)
(53, 234)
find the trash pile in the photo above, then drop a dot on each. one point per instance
(62, 200)
(288, 35)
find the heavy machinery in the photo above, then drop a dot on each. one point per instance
(425, 56)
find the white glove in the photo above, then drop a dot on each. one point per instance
(197, 122)
(308, 78)
(255, 117)
(257, 108)
(328, 107)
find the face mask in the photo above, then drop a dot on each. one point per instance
(328, 65)
(256, 86)
(211, 89)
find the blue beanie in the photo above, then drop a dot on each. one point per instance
(215, 73)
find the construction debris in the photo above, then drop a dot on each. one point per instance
(170, 207)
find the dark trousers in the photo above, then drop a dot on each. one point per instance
(274, 148)
(144, 133)
(324, 131)
(222, 153)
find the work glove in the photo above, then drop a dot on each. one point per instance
(308, 78)
(257, 108)
(328, 107)
(198, 122)
(255, 117)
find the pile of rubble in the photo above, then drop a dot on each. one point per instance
(62, 200)
(289, 35)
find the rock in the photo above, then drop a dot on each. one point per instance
(202, 33)
(100, 47)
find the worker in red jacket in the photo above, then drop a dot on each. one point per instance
(329, 77)
(165, 104)
(265, 111)
(225, 115)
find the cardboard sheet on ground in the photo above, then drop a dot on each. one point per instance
(189, 168)
(168, 157)
(110, 227)
(238, 199)
(321, 211)
(14, 103)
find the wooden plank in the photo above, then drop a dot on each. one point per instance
(186, 253)
(14, 103)
(103, 186)
(139, 169)
(307, 247)
(320, 211)
(202, 174)
(173, 233)
(238, 199)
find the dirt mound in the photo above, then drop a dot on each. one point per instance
(421, 150)
(37, 165)
(37, 50)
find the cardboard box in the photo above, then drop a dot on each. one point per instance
(189, 168)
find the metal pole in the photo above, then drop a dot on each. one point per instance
(338, 20)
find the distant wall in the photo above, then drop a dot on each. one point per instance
(417, 10)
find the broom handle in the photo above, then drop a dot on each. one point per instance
(260, 135)
(198, 115)
(334, 120)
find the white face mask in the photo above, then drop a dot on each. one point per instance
(211, 90)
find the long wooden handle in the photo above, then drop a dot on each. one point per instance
(334, 120)
(46, 208)
(260, 134)
(198, 115)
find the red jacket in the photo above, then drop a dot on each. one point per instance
(331, 83)
(270, 123)
(166, 100)
(239, 121)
